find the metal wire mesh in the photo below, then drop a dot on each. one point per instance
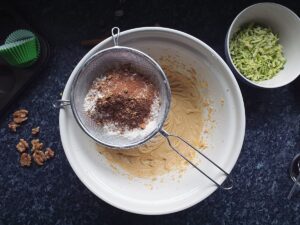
(95, 67)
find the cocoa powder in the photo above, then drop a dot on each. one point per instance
(126, 99)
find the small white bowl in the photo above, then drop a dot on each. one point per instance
(224, 141)
(282, 21)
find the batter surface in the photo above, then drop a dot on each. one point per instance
(185, 119)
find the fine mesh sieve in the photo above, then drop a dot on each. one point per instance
(112, 58)
(96, 67)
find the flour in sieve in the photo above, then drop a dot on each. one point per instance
(92, 96)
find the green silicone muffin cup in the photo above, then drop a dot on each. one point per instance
(21, 48)
(18, 35)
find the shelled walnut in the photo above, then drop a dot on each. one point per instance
(49, 153)
(13, 126)
(35, 130)
(22, 146)
(25, 159)
(36, 145)
(39, 157)
(20, 116)
(38, 153)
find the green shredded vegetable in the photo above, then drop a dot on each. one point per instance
(256, 52)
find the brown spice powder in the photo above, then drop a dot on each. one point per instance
(127, 99)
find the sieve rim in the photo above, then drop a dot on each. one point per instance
(166, 85)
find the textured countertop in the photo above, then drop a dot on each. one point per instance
(53, 194)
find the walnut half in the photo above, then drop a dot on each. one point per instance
(25, 159)
(20, 113)
(36, 145)
(13, 126)
(22, 146)
(35, 130)
(20, 116)
(49, 153)
(39, 157)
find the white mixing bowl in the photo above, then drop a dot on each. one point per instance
(224, 141)
(282, 21)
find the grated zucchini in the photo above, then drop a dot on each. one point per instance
(256, 52)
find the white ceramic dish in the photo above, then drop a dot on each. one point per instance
(282, 21)
(225, 141)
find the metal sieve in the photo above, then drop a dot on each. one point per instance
(96, 67)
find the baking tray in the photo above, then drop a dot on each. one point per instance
(14, 80)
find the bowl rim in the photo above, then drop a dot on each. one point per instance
(129, 208)
(227, 52)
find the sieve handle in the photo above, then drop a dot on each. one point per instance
(115, 33)
(224, 186)
(58, 104)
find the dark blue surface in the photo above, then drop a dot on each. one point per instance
(53, 194)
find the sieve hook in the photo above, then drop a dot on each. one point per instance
(115, 33)
(223, 186)
(58, 104)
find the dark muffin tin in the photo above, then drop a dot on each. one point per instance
(14, 80)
